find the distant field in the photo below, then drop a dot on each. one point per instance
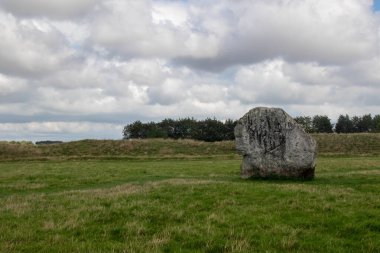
(185, 196)
(328, 144)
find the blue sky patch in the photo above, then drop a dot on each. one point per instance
(376, 5)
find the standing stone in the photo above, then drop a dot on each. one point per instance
(274, 145)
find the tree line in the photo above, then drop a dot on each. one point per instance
(344, 124)
(187, 128)
(212, 129)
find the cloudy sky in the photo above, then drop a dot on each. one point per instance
(78, 69)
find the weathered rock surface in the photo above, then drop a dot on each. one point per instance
(274, 145)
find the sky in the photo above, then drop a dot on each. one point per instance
(376, 5)
(79, 69)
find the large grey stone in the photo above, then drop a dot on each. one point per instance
(274, 145)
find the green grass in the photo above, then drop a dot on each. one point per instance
(187, 205)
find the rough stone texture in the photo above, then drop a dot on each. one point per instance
(274, 145)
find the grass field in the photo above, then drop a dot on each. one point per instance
(187, 205)
(185, 196)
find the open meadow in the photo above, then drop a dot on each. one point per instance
(185, 196)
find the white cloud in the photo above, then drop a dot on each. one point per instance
(312, 73)
(30, 48)
(143, 72)
(275, 82)
(68, 64)
(174, 12)
(169, 92)
(209, 92)
(268, 83)
(130, 29)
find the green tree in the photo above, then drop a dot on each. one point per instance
(305, 122)
(168, 126)
(365, 123)
(210, 130)
(355, 122)
(153, 130)
(186, 128)
(362, 124)
(229, 127)
(376, 123)
(134, 130)
(322, 124)
(344, 125)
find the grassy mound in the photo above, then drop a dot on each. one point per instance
(348, 144)
(132, 149)
(328, 144)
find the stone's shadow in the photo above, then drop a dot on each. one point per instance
(279, 179)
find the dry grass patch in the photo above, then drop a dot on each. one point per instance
(130, 188)
(23, 186)
(364, 172)
(316, 189)
(19, 205)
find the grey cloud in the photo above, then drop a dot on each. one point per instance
(362, 73)
(359, 96)
(111, 118)
(47, 8)
(324, 32)
(17, 97)
(237, 34)
(214, 64)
